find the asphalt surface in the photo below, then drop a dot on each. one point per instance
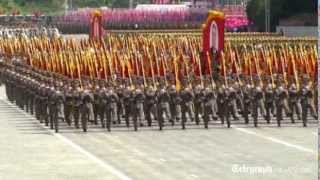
(28, 150)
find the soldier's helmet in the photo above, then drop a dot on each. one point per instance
(269, 86)
(236, 85)
(248, 86)
(293, 85)
(97, 86)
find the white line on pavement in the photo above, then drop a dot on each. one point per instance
(276, 140)
(94, 158)
(194, 176)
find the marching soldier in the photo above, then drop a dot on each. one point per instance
(51, 102)
(120, 104)
(128, 101)
(257, 104)
(103, 97)
(77, 100)
(187, 97)
(221, 98)
(37, 100)
(198, 102)
(96, 103)
(209, 105)
(58, 99)
(163, 106)
(233, 102)
(112, 105)
(45, 95)
(175, 104)
(306, 96)
(139, 115)
(247, 102)
(269, 102)
(151, 104)
(281, 95)
(86, 108)
(293, 100)
(68, 104)
(228, 105)
(239, 96)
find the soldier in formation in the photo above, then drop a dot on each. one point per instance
(54, 99)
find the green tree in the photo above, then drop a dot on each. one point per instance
(279, 9)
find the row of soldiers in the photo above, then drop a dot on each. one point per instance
(53, 98)
(29, 32)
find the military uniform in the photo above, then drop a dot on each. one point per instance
(163, 106)
(247, 103)
(139, 115)
(294, 105)
(77, 103)
(175, 104)
(209, 105)
(112, 105)
(198, 102)
(187, 97)
(103, 97)
(120, 104)
(269, 102)
(280, 102)
(96, 104)
(51, 110)
(306, 96)
(57, 109)
(151, 104)
(128, 104)
(221, 98)
(257, 104)
(68, 105)
(229, 105)
(86, 109)
(233, 103)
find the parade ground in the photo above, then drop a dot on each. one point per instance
(30, 151)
